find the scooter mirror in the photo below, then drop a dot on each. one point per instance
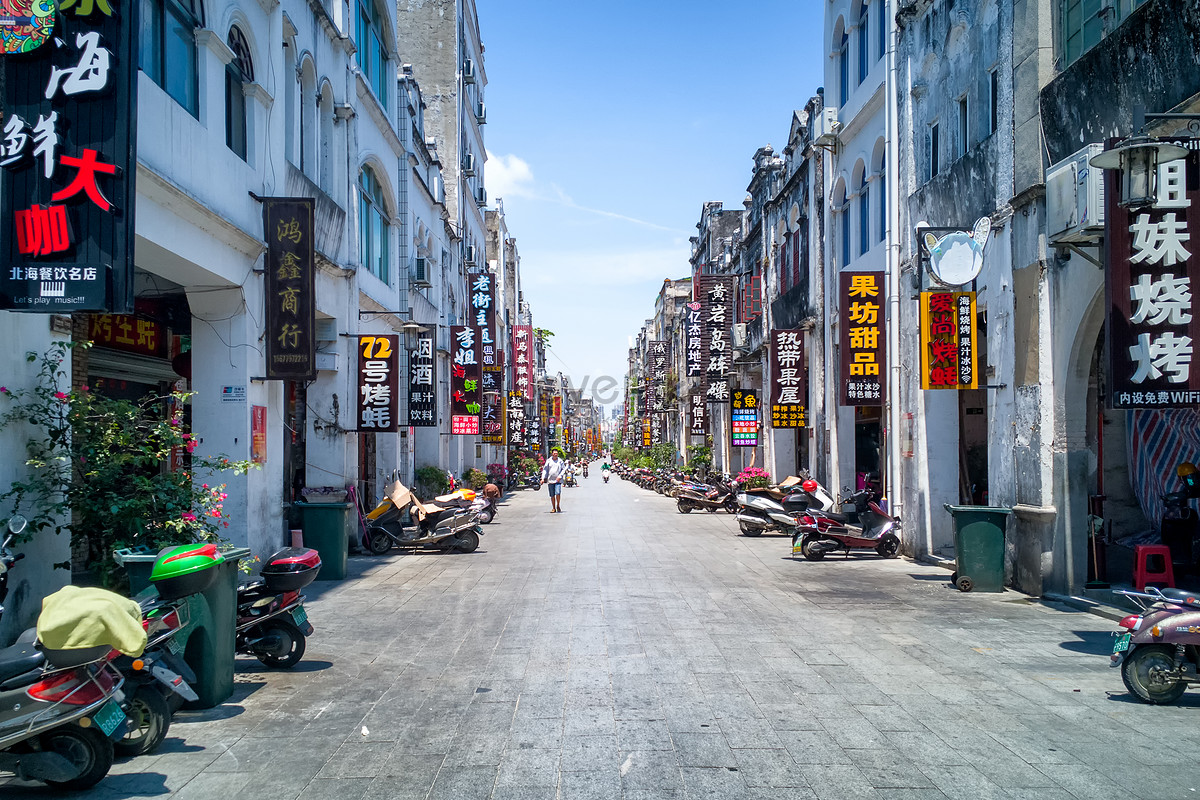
(16, 523)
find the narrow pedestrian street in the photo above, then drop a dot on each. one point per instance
(620, 649)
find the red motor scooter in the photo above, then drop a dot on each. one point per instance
(820, 530)
(1159, 651)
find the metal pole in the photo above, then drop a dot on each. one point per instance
(891, 439)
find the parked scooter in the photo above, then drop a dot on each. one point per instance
(1159, 652)
(430, 525)
(822, 530)
(723, 494)
(272, 624)
(771, 509)
(483, 503)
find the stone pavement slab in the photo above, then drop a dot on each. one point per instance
(622, 650)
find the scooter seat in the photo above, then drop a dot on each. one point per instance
(835, 516)
(19, 659)
(1189, 598)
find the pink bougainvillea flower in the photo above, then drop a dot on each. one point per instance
(174, 421)
(84, 388)
(188, 516)
(3, 390)
(216, 512)
(60, 395)
(205, 485)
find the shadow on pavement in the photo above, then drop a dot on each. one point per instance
(246, 666)
(112, 787)
(1189, 700)
(1096, 643)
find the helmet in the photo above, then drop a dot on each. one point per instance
(1185, 469)
(809, 486)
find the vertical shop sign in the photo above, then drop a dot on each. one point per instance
(492, 416)
(422, 378)
(523, 360)
(647, 433)
(948, 340)
(378, 384)
(464, 380)
(483, 309)
(258, 434)
(516, 419)
(291, 306)
(698, 422)
(657, 365)
(693, 337)
(744, 417)
(68, 150)
(862, 340)
(789, 379)
(557, 409)
(718, 297)
(1153, 319)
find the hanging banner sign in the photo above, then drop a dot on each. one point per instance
(464, 380)
(483, 308)
(718, 294)
(862, 338)
(948, 340)
(744, 418)
(693, 337)
(523, 360)
(789, 379)
(1153, 269)
(422, 378)
(378, 386)
(258, 434)
(647, 434)
(515, 416)
(698, 419)
(68, 144)
(492, 416)
(291, 304)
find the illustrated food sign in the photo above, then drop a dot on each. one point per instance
(516, 419)
(67, 148)
(862, 342)
(698, 420)
(378, 394)
(422, 378)
(291, 306)
(1153, 320)
(718, 297)
(523, 360)
(464, 380)
(948, 340)
(789, 379)
(744, 417)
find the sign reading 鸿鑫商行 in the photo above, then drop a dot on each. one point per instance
(291, 305)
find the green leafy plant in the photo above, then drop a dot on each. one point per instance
(699, 459)
(431, 481)
(663, 455)
(474, 478)
(101, 468)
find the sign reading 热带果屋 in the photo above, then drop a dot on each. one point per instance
(789, 379)
(862, 338)
(1153, 269)
(378, 386)
(67, 147)
(744, 418)
(464, 380)
(291, 347)
(422, 378)
(948, 340)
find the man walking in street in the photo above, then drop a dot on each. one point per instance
(552, 476)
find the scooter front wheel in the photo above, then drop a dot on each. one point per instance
(1144, 674)
(288, 652)
(485, 516)
(378, 542)
(149, 719)
(88, 749)
(889, 547)
(749, 530)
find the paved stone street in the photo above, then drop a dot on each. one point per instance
(623, 650)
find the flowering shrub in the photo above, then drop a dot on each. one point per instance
(754, 478)
(98, 466)
(475, 478)
(497, 473)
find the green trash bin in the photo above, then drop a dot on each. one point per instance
(327, 530)
(979, 546)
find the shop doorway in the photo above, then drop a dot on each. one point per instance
(973, 429)
(367, 485)
(295, 420)
(867, 439)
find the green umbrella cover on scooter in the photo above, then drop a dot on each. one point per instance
(185, 569)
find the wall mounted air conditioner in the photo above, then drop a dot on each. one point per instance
(481, 196)
(825, 126)
(469, 164)
(470, 256)
(481, 113)
(420, 272)
(1075, 198)
(468, 71)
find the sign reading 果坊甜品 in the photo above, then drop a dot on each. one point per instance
(948, 340)
(862, 338)
(789, 379)
(68, 144)
(291, 305)
(378, 389)
(1153, 318)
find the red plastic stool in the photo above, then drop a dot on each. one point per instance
(1142, 574)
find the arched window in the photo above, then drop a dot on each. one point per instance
(238, 73)
(864, 209)
(325, 118)
(882, 18)
(372, 224)
(371, 55)
(843, 43)
(308, 117)
(842, 219)
(880, 160)
(864, 47)
(289, 101)
(167, 49)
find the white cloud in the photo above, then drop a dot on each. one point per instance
(509, 176)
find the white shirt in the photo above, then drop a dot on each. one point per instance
(553, 471)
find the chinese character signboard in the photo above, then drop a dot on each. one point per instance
(128, 333)
(862, 340)
(522, 350)
(948, 340)
(744, 416)
(516, 419)
(464, 380)
(483, 309)
(698, 421)
(422, 378)
(693, 337)
(68, 149)
(717, 319)
(291, 306)
(378, 391)
(1153, 318)
(789, 379)
(258, 434)
(647, 435)
(492, 415)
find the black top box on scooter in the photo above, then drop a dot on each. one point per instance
(291, 569)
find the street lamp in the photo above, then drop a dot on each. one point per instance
(1138, 158)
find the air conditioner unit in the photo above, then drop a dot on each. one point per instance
(470, 256)
(468, 71)
(481, 196)
(1075, 198)
(469, 164)
(481, 113)
(739, 335)
(825, 126)
(420, 272)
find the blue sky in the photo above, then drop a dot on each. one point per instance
(610, 124)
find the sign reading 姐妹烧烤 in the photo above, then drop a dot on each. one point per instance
(378, 390)
(1153, 318)
(948, 340)
(862, 338)
(464, 380)
(789, 379)
(67, 147)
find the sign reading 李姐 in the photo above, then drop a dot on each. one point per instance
(789, 385)
(291, 306)
(378, 395)
(67, 146)
(862, 340)
(1153, 319)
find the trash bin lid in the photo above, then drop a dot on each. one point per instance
(989, 509)
(185, 559)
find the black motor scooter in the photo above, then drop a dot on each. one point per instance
(272, 624)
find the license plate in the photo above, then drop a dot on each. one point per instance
(1122, 643)
(108, 717)
(175, 645)
(299, 616)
